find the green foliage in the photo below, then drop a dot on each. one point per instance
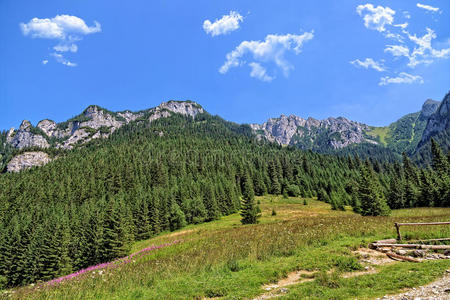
(249, 209)
(293, 190)
(347, 264)
(370, 195)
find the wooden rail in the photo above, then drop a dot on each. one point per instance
(397, 226)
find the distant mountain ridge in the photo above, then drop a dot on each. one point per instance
(335, 134)
(31, 144)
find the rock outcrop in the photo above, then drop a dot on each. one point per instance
(24, 138)
(186, 108)
(429, 108)
(27, 160)
(336, 133)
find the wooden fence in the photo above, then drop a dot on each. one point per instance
(397, 226)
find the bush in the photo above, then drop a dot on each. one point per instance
(331, 281)
(293, 190)
(347, 264)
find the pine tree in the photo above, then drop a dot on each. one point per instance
(249, 210)
(440, 163)
(177, 219)
(370, 196)
(396, 196)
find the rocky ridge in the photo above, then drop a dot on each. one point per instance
(334, 133)
(438, 122)
(95, 122)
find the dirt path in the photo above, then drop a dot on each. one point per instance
(276, 289)
(367, 257)
(437, 290)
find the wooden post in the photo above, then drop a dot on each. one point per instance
(398, 231)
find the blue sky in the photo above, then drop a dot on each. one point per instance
(356, 59)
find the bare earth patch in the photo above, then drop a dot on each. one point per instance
(367, 257)
(372, 257)
(276, 289)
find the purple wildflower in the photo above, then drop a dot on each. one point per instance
(112, 264)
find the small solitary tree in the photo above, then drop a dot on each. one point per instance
(249, 209)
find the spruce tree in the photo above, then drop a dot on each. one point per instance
(249, 210)
(370, 195)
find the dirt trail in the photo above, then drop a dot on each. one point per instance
(367, 257)
(276, 289)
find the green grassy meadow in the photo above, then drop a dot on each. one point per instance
(226, 260)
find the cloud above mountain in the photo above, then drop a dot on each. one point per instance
(403, 77)
(415, 49)
(270, 51)
(224, 25)
(66, 29)
(368, 63)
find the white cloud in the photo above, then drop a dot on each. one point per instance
(66, 48)
(394, 36)
(376, 17)
(397, 50)
(62, 60)
(271, 50)
(368, 63)
(67, 29)
(60, 27)
(259, 72)
(406, 14)
(45, 61)
(424, 52)
(402, 26)
(401, 78)
(226, 24)
(428, 7)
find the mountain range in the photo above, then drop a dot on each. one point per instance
(37, 145)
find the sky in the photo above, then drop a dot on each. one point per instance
(245, 60)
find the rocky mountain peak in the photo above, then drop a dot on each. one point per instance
(438, 122)
(428, 108)
(47, 126)
(187, 108)
(24, 138)
(25, 126)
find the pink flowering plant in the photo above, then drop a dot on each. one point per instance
(113, 264)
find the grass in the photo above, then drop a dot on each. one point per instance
(380, 132)
(228, 260)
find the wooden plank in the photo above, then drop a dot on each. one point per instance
(420, 224)
(414, 246)
(429, 240)
(401, 257)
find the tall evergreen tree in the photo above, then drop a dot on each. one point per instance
(370, 195)
(249, 209)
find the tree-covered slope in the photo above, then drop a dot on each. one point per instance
(89, 205)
